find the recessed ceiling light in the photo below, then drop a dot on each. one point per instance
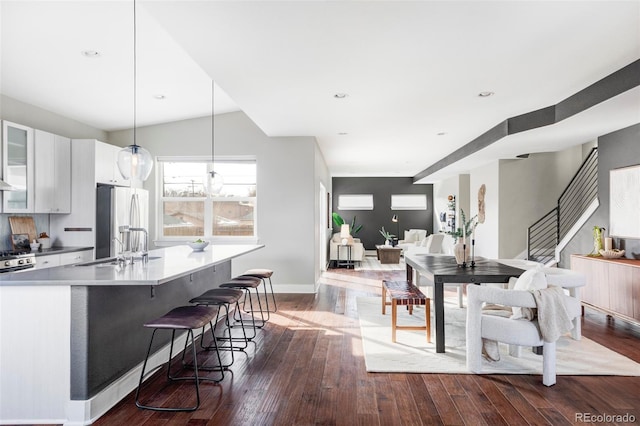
(340, 95)
(90, 53)
(485, 94)
(441, 133)
(343, 133)
(159, 97)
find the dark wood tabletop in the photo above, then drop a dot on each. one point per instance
(444, 269)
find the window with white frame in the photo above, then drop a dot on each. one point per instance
(187, 209)
(409, 202)
(355, 202)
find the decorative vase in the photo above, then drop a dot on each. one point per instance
(597, 239)
(461, 252)
(597, 245)
(387, 243)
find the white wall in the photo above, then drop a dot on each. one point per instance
(321, 235)
(529, 189)
(456, 185)
(441, 190)
(288, 170)
(38, 118)
(488, 234)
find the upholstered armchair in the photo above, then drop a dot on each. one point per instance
(515, 332)
(430, 245)
(357, 249)
(412, 237)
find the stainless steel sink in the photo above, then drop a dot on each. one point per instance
(138, 259)
(111, 261)
(106, 260)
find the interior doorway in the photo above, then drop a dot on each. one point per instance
(323, 225)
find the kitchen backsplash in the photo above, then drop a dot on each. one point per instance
(41, 221)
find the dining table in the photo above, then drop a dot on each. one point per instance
(442, 269)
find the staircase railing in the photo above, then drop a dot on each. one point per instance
(544, 235)
(542, 238)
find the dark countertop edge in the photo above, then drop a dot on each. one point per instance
(59, 250)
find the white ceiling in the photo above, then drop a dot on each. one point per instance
(411, 70)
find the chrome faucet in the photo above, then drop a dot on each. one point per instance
(120, 254)
(145, 252)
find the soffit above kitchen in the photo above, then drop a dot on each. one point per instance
(411, 71)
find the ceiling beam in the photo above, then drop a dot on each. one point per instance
(610, 86)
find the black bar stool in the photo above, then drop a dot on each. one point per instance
(263, 274)
(247, 284)
(225, 297)
(187, 318)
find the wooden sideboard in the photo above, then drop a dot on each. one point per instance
(613, 285)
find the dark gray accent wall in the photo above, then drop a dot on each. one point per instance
(373, 220)
(107, 334)
(615, 150)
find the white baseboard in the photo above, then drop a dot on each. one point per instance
(85, 412)
(294, 288)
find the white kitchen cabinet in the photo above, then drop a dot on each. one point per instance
(107, 171)
(61, 259)
(76, 257)
(94, 163)
(48, 261)
(17, 167)
(52, 190)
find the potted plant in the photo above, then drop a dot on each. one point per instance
(387, 236)
(353, 228)
(469, 226)
(461, 249)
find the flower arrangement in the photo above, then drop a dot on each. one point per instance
(469, 226)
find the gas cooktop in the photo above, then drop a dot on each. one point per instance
(16, 260)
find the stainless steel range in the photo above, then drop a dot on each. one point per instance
(11, 261)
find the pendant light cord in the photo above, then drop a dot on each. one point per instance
(213, 138)
(135, 72)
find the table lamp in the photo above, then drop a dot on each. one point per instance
(345, 234)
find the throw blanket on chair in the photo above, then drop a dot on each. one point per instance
(551, 313)
(553, 318)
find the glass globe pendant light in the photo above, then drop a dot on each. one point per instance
(134, 162)
(215, 181)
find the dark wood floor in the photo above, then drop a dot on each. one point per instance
(307, 368)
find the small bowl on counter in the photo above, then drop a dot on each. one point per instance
(198, 245)
(612, 254)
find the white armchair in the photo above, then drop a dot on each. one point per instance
(430, 245)
(357, 249)
(412, 238)
(514, 332)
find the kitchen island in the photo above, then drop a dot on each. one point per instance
(71, 337)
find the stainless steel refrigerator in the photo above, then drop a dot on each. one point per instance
(117, 206)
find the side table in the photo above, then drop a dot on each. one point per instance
(347, 262)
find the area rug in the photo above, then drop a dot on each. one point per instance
(371, 263)
(412, 354)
